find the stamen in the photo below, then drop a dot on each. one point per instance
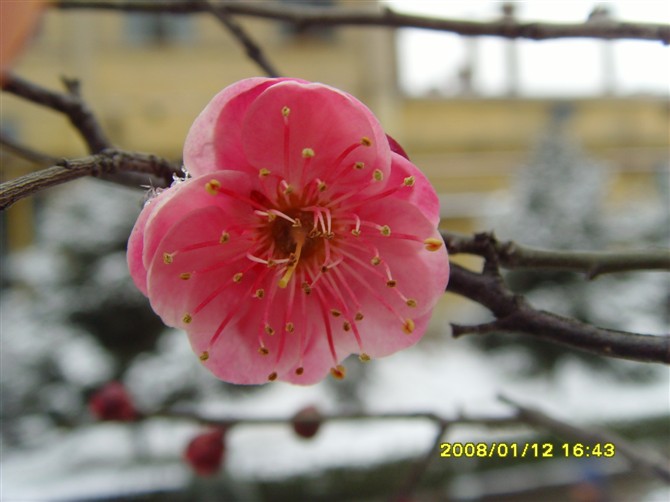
(225, 237)
(168, 258)
(365, 141)
(238, 277)
(409, 181)
(364, 358)
(385, 230)
(185, 276)
(204, 356)
(299, 370)
(359, 166)
(212, 187)
(263, 350)
(411, 302)
(408, 326)
(307, 153)
(377, 175)
(260, 293)
(338, 372)
(264, 173)
(272, 376)
(187, 318)
(433, 244)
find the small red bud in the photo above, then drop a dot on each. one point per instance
(205, 452)
(306, 422)
(112, 402)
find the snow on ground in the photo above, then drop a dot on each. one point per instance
(447, 379)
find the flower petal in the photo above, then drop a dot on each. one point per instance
(306, 131)
(135, 250)
(422, 194)
(193, 194)
(214, 140)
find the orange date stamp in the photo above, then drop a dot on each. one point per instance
(526, 450)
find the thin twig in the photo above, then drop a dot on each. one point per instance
(69, 103)
(304, 16)
(511, 255)
(514, 315)
(106, 164)
(25, 152)
(639, 458)
(222, 13)
(412, 481)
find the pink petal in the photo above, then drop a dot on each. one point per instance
(192, 194)
(214, 140)
(422, 194)
(194, 246)
(135, 251)
(321, 119)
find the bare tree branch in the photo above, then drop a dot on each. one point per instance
(513, 256)
(514, 315)
(108, 164)
(639, 458)
(69, 103)
(222, 13)
(25, 152)
(303, 17)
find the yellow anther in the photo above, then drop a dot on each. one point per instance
(272, 376)
(289, 327)
(359, 166)
(263, 350)
(269, 330)
(338, 372)
(185, 276)
(359, 316)
(433, 244)
(408, 326)
(225, 237)
(321, 186)
(335, 312)
(299, 371)
(238, 277)
(212, 187)
(355, 232)
(167, 258)
(307, 153)
(411, 302)
(263, 173)
(286, 111)
(409, 181)
(365, 141)
(364, 358)
(377, 175)
(260, 293)
(187, 318)
(288, 189)
(385, 230)
(272, 217)
(346, 326)
(376, 260)
(204, 356)
(391, 283)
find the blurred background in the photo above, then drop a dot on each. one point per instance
(559, 144)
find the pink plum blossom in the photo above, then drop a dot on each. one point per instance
(299, 237)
